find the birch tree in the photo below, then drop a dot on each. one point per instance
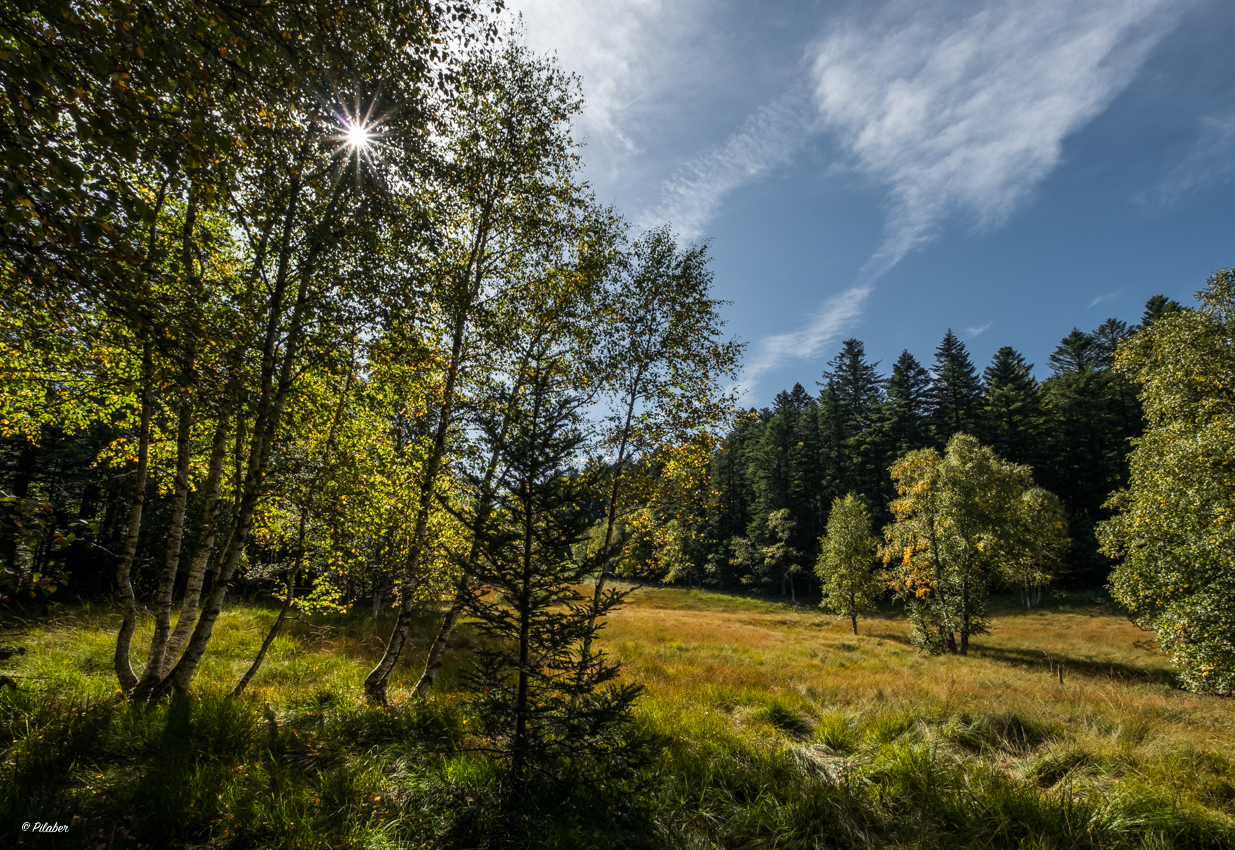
(507, 197)
(662, 359)
(847, 562)
(957, 516)
(238, 116)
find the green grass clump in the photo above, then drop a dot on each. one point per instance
(836, 733)
(1009, 733)
(779, 715)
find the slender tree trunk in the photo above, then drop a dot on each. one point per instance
(519, 756)
(305, 515)
(518, 761)
(437, 652)
(270, 405)
(379, 676)
(271, 635)
(124, 570)
(276, 383)
(123, 667)
(171, 559)
(155, 662)
(182, 674)
(201, 555)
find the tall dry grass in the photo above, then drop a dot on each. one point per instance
(781, 678)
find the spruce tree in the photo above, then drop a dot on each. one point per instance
(1106, 339)
(1158, 306)
(855, 384)
(553, 715)
(851, 395)
(902, 421)
(1076, 352)
(807, 481)
(770, 458)
(956, 391)
(901, 424)
(833, 465)
(1011, 407)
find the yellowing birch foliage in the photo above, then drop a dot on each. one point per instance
(959, 519)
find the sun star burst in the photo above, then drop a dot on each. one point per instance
(358, 136)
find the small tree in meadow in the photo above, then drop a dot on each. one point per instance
(962, 517)
(848, 561)
(549, 725)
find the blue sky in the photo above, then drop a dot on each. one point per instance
(887, 170)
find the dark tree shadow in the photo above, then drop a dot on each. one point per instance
(1039, 660)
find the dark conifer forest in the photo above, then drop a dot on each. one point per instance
(811, 447)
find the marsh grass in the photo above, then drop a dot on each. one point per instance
(775, 727)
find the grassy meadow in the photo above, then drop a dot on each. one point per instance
(773, 725)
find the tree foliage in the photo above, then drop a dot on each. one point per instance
(959, 518)
(847, 563)
(803, 452)
(554, 713)
(956, 389)
(1172, 524)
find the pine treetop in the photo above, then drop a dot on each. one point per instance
(957, 387)
(1009, 370)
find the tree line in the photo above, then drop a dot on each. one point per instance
(751, 509)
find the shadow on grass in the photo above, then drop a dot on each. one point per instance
(1027, 658)
(1038, 660)
(1095, 602)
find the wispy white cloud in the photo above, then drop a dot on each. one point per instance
(623, 50)
(1209, 164)
(966, 113)
(1100, 298)
(953, 107)
(970, 333)
(768, 138)
(952, 111)
(821, 331)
